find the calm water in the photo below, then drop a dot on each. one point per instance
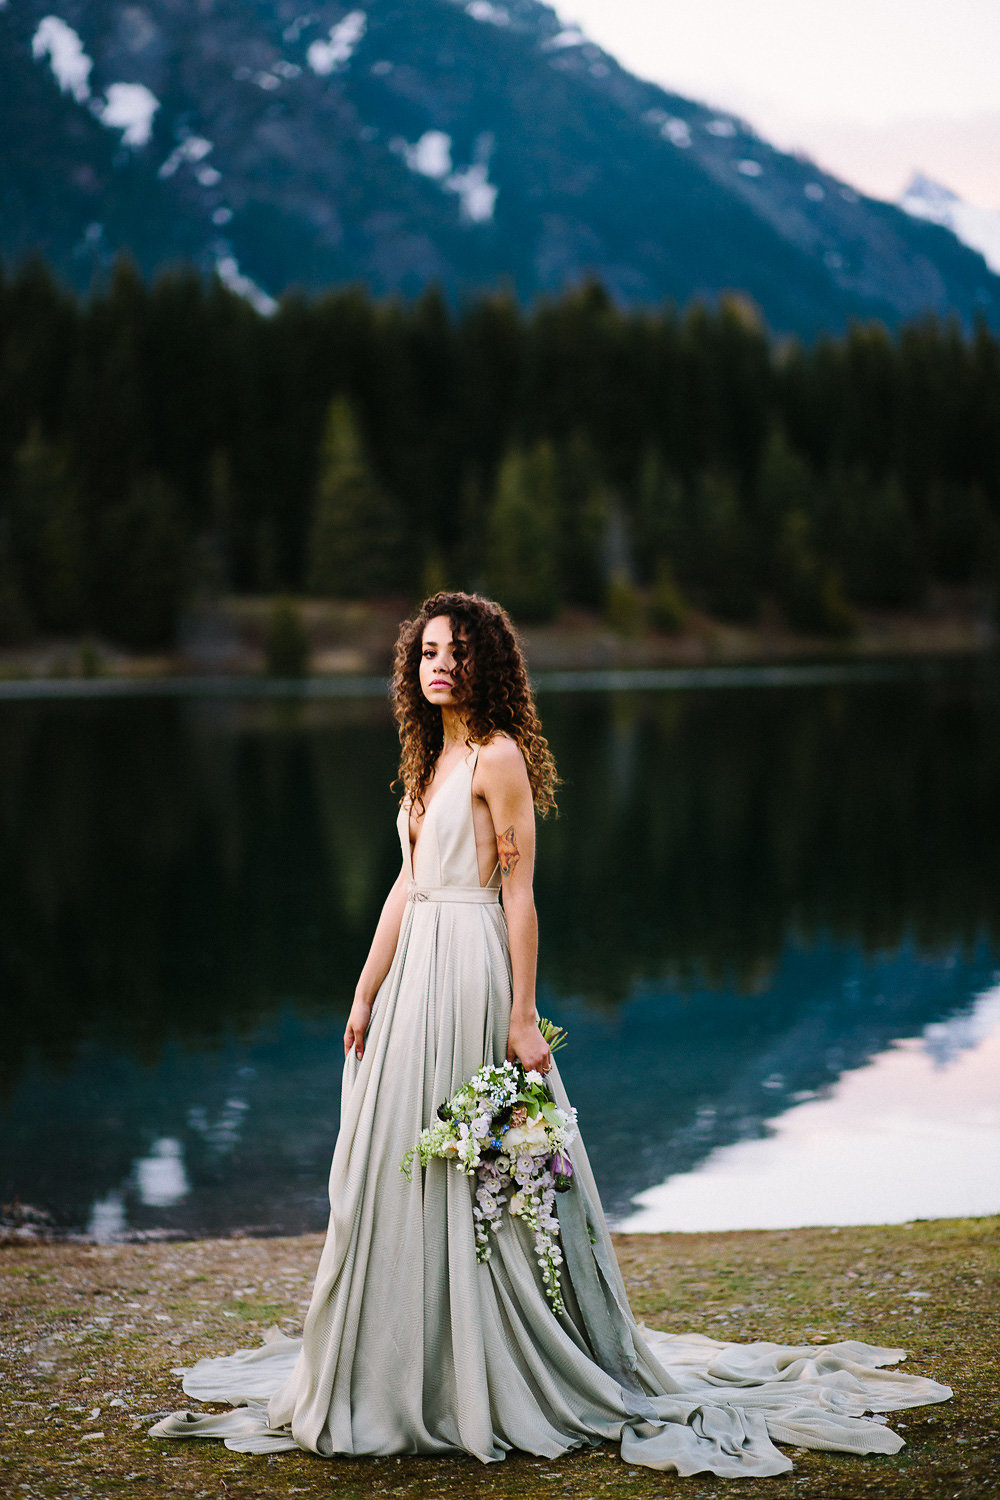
(770, 920)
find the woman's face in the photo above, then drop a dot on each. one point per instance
(438, 661)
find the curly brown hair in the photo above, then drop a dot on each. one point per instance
(491, 688)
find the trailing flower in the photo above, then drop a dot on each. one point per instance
(504, 1128)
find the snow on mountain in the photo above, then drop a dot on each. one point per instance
(979, 228)
(70, 64)
(405, 143)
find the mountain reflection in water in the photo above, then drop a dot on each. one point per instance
(748, 894)
(914, 1133)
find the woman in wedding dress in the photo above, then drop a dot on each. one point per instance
(410, 1345)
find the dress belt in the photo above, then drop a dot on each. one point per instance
(482, 895)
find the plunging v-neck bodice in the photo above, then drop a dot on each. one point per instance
(445, 853)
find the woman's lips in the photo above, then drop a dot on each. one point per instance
(440, 682)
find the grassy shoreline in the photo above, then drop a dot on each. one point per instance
(91, 1334)
(227, 637)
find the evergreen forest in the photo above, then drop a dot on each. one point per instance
(164, 440)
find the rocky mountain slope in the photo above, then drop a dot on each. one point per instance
(463, 142)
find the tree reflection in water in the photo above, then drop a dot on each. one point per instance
(744, 885)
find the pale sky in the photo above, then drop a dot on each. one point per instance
(872, 89)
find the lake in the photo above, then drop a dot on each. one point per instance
(770, 921)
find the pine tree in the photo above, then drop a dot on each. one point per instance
(874, 539)
(724, 560)
(48, 535)
(960, 531)
(661, 526)
(786, 486)
(355, 545)
(523, 535)
(585, 515)
(16, 625)
(623, 605)
(143, 572)
(667, 608)
(286, 642)
(809, 588)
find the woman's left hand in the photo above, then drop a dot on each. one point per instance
(526, 1045)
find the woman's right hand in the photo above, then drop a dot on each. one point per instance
(357, 1025)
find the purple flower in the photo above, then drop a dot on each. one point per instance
(562, 1171)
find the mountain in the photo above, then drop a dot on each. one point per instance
(974, 226)
(463, 142)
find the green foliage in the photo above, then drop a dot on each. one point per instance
(682, 437)
(434, 579)
(810, 589)
(961, 532)
(586, 506)
(873, 536)
(724, 554)
(355, 543)
(623, 606)
(807, 585)
(785, 484)
(286, 642)
(667, 608)
(523, 534)
(661, 523)
(90, 662)
(16, 625)
(48, 534)
(142, 575)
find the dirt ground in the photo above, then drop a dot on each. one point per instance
(91, 1334)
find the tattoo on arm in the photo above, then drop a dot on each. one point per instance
(507, 851)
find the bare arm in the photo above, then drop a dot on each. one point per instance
(377, 964)
(502, 780)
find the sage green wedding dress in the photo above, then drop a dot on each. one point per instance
(411, 1346)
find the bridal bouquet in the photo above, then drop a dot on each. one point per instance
(504, 1128)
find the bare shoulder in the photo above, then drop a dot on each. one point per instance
(501, 760)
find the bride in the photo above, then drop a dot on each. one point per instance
(410, 1345)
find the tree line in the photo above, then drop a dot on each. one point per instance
(164, 439)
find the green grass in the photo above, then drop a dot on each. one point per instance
(80, 1330)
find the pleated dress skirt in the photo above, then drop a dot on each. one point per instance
(411, 1346)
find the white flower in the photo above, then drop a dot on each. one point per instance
(517, 1203)
(533, 1076)
(481, 1125)
(531, 1139)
